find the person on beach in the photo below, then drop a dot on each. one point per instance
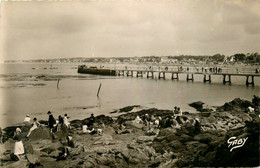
(27, 118)
(36, 124)
(138, 120)
(66, 122)
(60, 123)
(91, 120)
(175, 110)
(179, 111)
(51, 121)
(18, 145)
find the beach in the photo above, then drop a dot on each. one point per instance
(124, 142)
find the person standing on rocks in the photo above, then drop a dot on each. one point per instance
(66, 122)
(91, 120)
(51, 121)
(18, 145)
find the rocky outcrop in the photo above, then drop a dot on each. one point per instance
(236, 105)
(198, 140)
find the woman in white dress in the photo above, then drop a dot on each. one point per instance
(18, 145)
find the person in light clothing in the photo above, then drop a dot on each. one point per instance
(36, 124)
(27, 118)
(66, 122)
(18, 145)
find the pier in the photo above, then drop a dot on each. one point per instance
(191, 73)
(190, 76)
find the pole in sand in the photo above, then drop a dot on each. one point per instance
(58, 83)
(99, 89)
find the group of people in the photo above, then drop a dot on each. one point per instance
(61, 121)
(52, 122)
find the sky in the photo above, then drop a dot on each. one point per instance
(127, 28)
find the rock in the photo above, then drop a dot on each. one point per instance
(143, 139)
(176, 144)
(236, 105)
(40, 133)
(48, 150)
(197, 105)
(133, 125)
(28, 148)
(32, 158)
(20, 164)
(104, 139)
(204, 138)
(126, 109)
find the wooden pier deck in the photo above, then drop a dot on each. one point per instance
(190, 75)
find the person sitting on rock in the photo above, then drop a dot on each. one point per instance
(175, 110)
(35, 125)
(250, 109)
(66, 122)
(27, 119)
(138, 120)
(157, 123)
(152, 120)
(147, 120)
(161, 122)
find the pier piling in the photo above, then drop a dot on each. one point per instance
(252, 81)
(148, 74)
(163, 75)
(177, 76)
(226, 81)
(139, 74)
(188, 77)
(129, 73)
(207, 80)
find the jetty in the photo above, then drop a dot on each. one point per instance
(159, 73)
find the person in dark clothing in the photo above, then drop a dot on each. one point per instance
(197, 126)
(51, 121)
(91, 120)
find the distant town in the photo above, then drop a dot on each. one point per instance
(249, 58)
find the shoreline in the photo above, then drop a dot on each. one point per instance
(127, 143)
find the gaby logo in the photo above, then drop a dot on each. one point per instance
(236, 143)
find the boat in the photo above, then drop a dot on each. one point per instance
(95, 70)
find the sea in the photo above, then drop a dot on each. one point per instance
(36, 88)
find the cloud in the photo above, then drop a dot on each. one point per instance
(34, 30)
